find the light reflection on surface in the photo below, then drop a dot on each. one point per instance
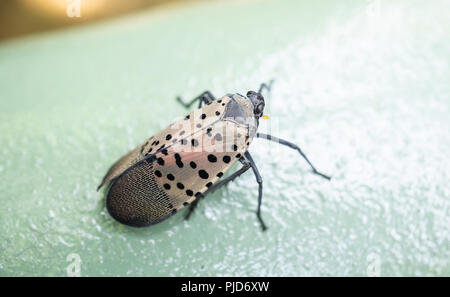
(58, 8)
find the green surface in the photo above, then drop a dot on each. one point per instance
(362, 86)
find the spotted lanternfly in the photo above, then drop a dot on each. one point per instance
(185, 161)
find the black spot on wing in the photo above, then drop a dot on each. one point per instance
(203, 174)
(178, 160)
(212, 158)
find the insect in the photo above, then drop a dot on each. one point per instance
(189, 159)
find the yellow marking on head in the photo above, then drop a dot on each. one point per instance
(266, 117)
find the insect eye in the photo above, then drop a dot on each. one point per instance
(259, 108)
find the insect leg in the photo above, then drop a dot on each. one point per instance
(205, 97)
(217, 186)
(292, 146)
(267, 86)
(191, 208)
(260, 188)
(228, 179)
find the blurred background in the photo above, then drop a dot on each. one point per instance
(361, 85)
(24, 17)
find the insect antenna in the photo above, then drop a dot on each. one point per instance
(267, 86)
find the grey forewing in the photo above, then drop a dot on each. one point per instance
(240, 110)
(235, 112)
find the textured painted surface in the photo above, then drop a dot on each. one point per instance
(362, 86)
